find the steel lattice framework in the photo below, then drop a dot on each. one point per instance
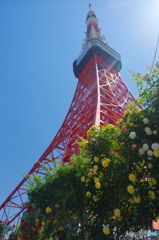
(100, 98)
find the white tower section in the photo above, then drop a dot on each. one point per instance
(93, 31)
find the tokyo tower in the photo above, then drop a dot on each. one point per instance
(100, 99)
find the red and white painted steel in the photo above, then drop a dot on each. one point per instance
(100, 98)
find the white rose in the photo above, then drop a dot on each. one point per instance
(141, 151)
(155, 90)
(132, 135)
(155, 146)
(146, 120)
(148, 131)
(146, 77)
(145, 146)
(155, 132)
(150, 153)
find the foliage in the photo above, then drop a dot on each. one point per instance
(111, 186)
(4, 228)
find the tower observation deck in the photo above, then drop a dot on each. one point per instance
(107, 54)
(100, 99)
(95, 45)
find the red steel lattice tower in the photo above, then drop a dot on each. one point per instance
(100, 98)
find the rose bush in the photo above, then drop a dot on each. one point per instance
(111, 186)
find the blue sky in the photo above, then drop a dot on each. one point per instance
(39, 41)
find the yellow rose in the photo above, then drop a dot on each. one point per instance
(132, 177)
(117, 212)
(96, 159)
(41, 229)
(156, 153)
(85, 143)
(106, 230)
(152, 194)
(96, 180)
(95, 198)
(139, 111)
(137, 199)
(106, 162)
(97, 185)
(131, 200)
(90, 133)
(130, 189)
(83, 179)
(95, 168)
(88, 194)
(150, 165)
(126, 112)
(48, 210)
(152, 181)
(90, 174)
(120, 120)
